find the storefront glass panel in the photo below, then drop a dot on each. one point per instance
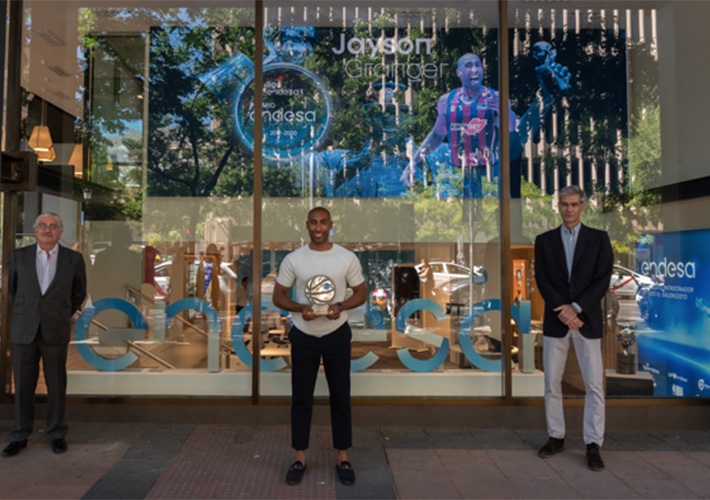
(366, 109)
(151, 188)
(623, 123)
(366, 112)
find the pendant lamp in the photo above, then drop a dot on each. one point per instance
(41, 140)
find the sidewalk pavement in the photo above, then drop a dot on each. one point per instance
(150, 460)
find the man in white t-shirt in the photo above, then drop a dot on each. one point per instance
(325, 335)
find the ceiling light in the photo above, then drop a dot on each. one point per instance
(40, 140)
(49, 155)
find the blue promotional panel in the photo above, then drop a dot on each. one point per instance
(674, 335)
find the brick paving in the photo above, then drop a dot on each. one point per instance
(245, 462)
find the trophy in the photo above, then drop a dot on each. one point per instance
(625, 361)
(320, 291)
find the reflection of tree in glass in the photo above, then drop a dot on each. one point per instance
(192, 150)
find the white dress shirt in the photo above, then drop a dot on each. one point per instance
(569, 241)
(46, 263)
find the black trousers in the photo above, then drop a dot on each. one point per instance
(306, 353)
(25, 367)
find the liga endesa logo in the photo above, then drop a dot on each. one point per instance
(296, 111)
(668, 269)
(702, 385)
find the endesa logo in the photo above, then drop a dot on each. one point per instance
(669, 269)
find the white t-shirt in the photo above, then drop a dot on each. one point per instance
(301, 265)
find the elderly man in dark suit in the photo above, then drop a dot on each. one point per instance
(47, 284)
(573, 265)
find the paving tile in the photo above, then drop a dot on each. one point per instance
(574, 440)
(529, 487)
(367, 437)
(701, 456)
(213, 463)
(106, 432)
(177, 460)
(43, 492)
(610, 444)
(498, 439)
(160, 442)
(684, 469)
(646, 480)
(535, 438)
(630, 467)
(686, 440)
(373, 479)
(36, 471)
(128, 479)
(475, 474)
(524, 464)
(419, 473)
(450, 438)
(571, 466)
(638, 440)
(412, 438)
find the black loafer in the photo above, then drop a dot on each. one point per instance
(345, 473)
(295, 473)
(594, 458)
(59, 445)
(552, 447)
(14, 448)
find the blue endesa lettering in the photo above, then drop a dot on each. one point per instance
(521, 315)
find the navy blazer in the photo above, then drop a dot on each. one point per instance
(54, 309)
(591, 272)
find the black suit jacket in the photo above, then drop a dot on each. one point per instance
(591, 272)
(54, 309)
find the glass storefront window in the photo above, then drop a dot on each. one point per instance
(386, 115)
(371, 113)
(611, 129)
(150, 186)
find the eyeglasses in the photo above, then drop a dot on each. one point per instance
(44, 226)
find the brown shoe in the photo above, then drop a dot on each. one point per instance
(552, 447)
(594, 458)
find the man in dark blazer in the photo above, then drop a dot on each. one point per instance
(573, 265)
(48, 285)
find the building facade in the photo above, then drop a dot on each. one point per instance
(183, 143)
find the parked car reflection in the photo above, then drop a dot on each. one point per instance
(453, 280)
(625, 283)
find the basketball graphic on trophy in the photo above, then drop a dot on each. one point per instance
(320, 291)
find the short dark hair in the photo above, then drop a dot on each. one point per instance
(245, 278)
(316, 209)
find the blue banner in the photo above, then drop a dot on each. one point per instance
(674, 336)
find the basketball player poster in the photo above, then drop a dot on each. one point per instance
(372, 112)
